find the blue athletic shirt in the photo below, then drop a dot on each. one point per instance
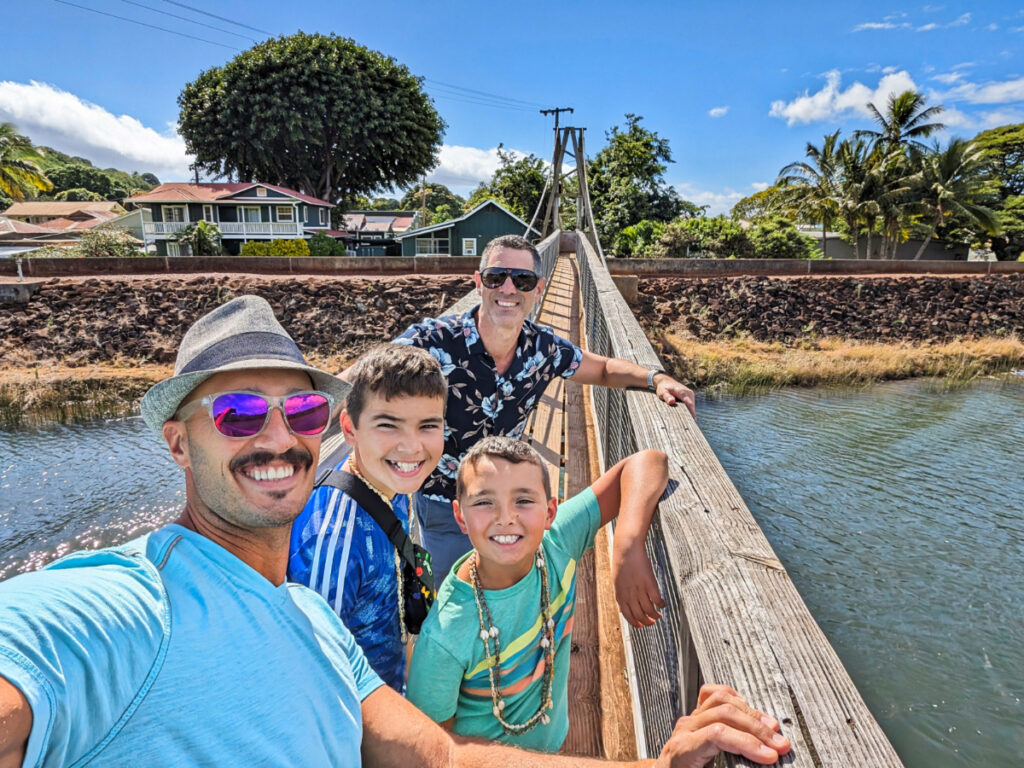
(339, 551)
(170, 651)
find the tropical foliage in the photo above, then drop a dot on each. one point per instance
(20, 171)
(291, 249)
(202, 238)
(316, 113)
(888, 183)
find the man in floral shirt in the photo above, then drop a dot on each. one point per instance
(498, 364)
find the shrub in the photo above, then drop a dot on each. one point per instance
(94, 243)
(255, 248)
(289, 249)
(321, 244)
(639, 239)
(776, 237)
(338, 249)
(703, 237)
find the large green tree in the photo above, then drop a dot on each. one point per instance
(78, 176)
(20, 171)
(1003, 149)
(518, 183)
(627, 180)
(905, 122)
(317, 113)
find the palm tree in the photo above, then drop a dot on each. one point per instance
(813, 187)
(857, 186)
(946, 180)
(905, 121)
(19, 169)
(202, 239)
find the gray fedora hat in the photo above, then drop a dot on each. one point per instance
(240, 335)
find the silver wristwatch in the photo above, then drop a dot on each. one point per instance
(650, 378)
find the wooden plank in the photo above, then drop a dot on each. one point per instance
(729, 593)
(586, 720)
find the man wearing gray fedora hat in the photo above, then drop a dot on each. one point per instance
(188, 647)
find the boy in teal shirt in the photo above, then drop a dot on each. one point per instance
(492, 660)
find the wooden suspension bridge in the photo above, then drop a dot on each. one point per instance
(733, 615)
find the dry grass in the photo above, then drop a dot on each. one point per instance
(743, 365)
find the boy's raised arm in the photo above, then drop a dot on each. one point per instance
(630, 491)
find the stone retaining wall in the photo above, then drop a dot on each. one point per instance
(880, 308)
(94, 321)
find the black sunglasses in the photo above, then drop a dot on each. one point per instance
(523, 279)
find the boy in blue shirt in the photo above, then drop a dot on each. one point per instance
(493, 658)
(394, 422)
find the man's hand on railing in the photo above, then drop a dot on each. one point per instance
(722, 722)
(671, 391)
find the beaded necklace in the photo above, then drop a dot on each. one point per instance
(351, 465)
(489, 634)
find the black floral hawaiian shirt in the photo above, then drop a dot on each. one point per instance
(480, 402)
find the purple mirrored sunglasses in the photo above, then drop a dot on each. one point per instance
(246, 414)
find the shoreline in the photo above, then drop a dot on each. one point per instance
(37, 395)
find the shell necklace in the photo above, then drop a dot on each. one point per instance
(351, 466)
(489, 635)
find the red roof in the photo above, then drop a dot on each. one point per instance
(184, 192)
(22, 228)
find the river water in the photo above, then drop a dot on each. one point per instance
(898, 511)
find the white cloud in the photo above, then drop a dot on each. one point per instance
(61, 120)
(718, 111)
(832, 102)
(952, 117)
(759, 185)
(463, 168)
(928, 27)
(988, 93)
(1001, 117)
(964, 18)
(949, 78)
(992, 27)
(877, 25)
(717, 202)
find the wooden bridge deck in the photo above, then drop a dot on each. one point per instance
(600, 711)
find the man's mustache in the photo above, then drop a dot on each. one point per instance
(295, 456)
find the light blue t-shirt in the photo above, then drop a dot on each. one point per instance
(180, 656)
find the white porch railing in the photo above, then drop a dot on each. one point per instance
(260, 228)
(165, 227)
(232, 228)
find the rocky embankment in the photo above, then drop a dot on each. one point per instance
(123, 320)
(887, 309)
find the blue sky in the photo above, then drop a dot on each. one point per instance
(738, 88)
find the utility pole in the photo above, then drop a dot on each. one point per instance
(555, 112)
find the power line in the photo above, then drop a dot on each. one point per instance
(219, 18)
(185, 18)
(485, 93)
(468, 99)
(144, 24)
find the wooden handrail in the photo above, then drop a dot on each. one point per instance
(733, 615)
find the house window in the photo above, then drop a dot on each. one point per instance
(175, 213)
(173, 248)
(323, 216)
(250, 213)
(261, 192)
(432, 246)
(469, 246)
(285, 213)
(208, 213)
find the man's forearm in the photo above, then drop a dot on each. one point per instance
(620, 374)
(478, 755)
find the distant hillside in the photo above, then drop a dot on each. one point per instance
(76, 178)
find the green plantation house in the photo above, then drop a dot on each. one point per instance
(466, 235)
(242, 211)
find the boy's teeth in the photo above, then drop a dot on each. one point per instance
(406, 466)
(506, 539)
(271, 473)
